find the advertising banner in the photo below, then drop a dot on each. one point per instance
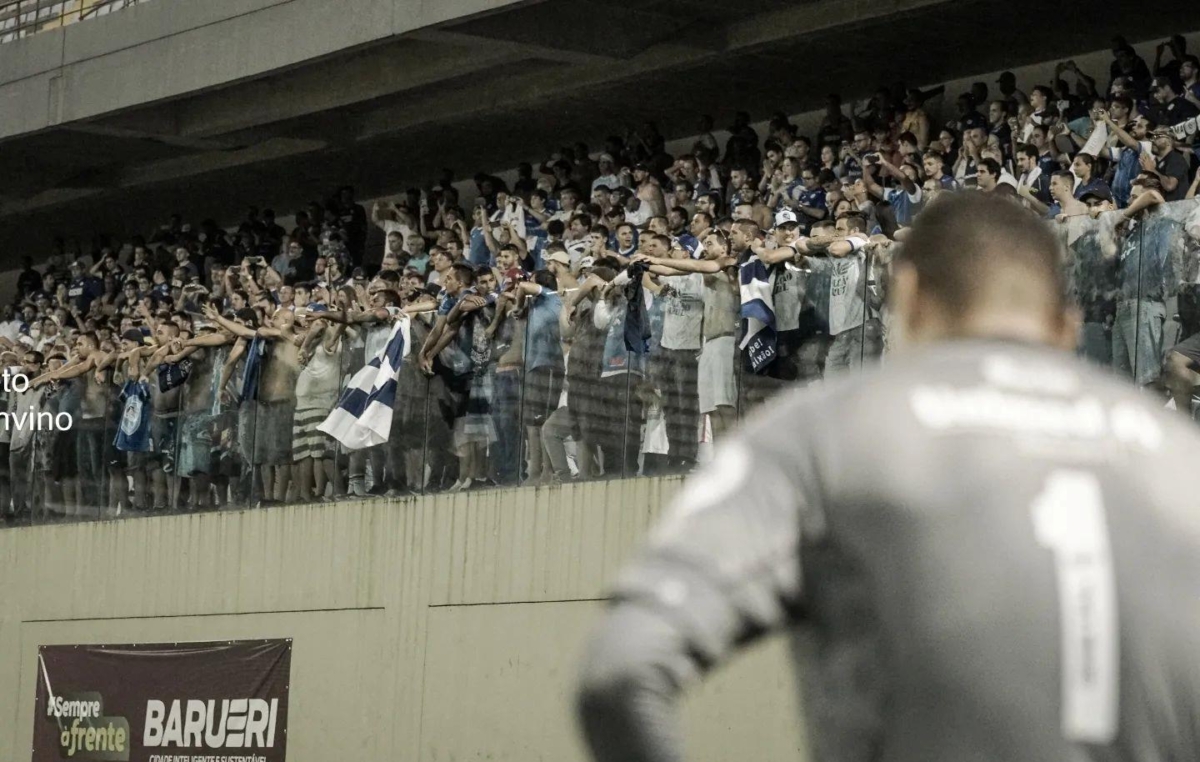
(224, 701)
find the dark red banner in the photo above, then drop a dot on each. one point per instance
(225, 701)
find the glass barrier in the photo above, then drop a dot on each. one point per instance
(546, 391)
(1093, 247)
(1137, 287)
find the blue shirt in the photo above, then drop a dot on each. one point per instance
(543, 341)
(83, 290)
(478, 253)
(789, 194)
(805, 197)
(1126, 172)
(1047, 164)
(904, 205)
(1094, 185)
(420, 264)
(541, 238)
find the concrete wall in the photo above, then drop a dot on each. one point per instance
(442, 628)
(101, 65)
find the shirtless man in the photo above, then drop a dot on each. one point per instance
(203, 355)
(649, 191)
(89, 429)
(274, 407)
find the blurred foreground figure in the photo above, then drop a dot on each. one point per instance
(984, 551)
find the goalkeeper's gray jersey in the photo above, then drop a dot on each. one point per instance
(985, 551)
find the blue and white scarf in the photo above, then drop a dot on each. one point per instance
(758, 310)
(363, 414)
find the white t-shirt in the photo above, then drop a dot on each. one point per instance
(641, 216)
(390, 226)
(790, 288)
(376, 339)
(683, 311)
(10, 329)
(846, 303)
(320, 380)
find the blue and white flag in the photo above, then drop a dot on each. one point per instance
(758, 310)
(363, 414)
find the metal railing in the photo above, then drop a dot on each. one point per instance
(22, 18)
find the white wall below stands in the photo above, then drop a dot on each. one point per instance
(434, 628)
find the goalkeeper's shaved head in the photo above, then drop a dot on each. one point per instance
(977, 265)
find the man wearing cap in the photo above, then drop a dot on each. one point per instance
(675, 366)
(648, 190)
(800, 333)
(559, 262)
(1167, 164)
(1168, 107)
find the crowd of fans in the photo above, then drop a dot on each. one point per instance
(600, 315)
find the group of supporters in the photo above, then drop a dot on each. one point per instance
(595, 316)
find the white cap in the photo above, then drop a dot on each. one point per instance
(784, 215)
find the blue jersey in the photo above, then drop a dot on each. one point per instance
(814, 198)
(904, 205)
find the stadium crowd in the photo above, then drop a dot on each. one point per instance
(600, 315)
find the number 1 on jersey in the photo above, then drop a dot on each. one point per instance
(1068, 518)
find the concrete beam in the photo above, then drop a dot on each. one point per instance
(114, 131)
(676, 54)
(808, 18)
(371, 74)
(171, 48)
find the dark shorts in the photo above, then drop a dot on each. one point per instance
(543, 388)
(164, 432)
(195, 444)
(63, 462)
(265, 431)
